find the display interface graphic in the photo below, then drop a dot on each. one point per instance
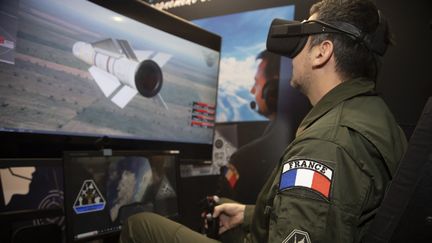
(82, 69)
(31, 185)
(103, 191)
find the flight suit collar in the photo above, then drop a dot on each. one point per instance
(343, 91)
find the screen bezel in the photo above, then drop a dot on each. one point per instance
(40, 143)
(152, 16)
(68, 200)
(27, 162)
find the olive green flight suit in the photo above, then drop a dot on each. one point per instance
(352, 144)
(328, 184)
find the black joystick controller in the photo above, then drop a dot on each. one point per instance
(212, 230)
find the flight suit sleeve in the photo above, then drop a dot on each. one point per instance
(248, 215)
(320, 193)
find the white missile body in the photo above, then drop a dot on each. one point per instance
(121, 72)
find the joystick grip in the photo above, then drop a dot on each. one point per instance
(212, 227)
(212, 230)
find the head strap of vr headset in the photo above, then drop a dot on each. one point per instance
(374, 41)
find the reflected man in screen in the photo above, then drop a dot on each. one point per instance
(248, 167)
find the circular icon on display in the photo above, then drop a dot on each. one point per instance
(54, 199)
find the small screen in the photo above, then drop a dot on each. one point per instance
(103, 191)
(76, 68)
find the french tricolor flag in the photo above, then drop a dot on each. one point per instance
(308, 177)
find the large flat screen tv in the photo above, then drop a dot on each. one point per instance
(103, 189)
(116, 69)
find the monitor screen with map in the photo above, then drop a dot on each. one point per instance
(102, 189)
(117, 69)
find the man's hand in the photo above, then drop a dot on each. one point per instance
(230, 215)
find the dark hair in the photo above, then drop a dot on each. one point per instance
(353, 57)
(272, 68)
(271, 73)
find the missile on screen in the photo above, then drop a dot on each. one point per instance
(121, 72)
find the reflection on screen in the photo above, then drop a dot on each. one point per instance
(103, 191)
(244, 36)
(82, 69)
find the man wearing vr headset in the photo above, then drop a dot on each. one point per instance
(331, 179)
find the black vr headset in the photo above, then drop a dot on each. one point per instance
(288, 38)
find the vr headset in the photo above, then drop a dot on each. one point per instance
(288, 38)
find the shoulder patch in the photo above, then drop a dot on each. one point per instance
(297, 236)
(306, 173)
(231, 175)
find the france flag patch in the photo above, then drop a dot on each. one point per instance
(306, 173)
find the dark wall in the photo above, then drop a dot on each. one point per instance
(192, 191)
(405, 80)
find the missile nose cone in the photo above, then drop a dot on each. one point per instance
(76, 48)
(84, 52)
(148, 78)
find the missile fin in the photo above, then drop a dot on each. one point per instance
(143, 55)
(108, 47)
(106, 82)
(124, 96)
(159, 100)
(161, 58)
(127, 49)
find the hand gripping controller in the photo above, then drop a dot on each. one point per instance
(212, 230)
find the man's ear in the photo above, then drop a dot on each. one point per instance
(322, 53)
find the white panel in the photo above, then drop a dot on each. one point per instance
(124, 96)
(304, 178)
(106, 82)
(159, 100)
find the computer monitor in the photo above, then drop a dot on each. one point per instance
(103, 188)
(115, 69)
